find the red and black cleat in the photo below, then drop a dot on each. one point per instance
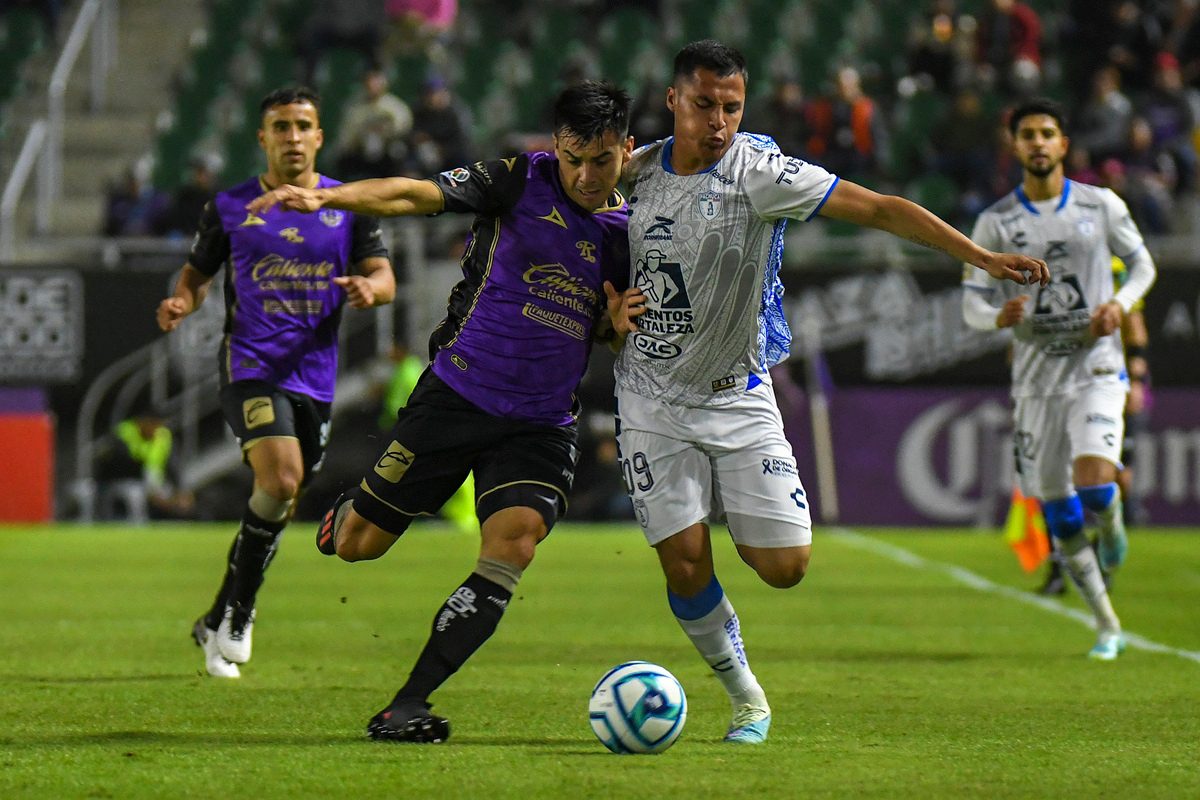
(326, 541)
(408, 721)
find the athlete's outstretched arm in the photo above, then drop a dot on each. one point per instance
(853, 203)
(190, 291)
(381, 197)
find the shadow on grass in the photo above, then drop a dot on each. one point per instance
(143, 738)
(84, 680)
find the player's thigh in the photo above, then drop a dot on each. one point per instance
(1042, 447)
(263, 419)
(669, 481)
(759, 489)
(312, 431)
(528, 466)
(426, 457)
(1096, 422)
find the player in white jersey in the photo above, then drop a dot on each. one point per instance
(1068, 371)
(700, 435)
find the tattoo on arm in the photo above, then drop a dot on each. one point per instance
(916, 239)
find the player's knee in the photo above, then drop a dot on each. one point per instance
(784, 574)
(1064, 517)
(283, 484)
(511, 535)
(687, 578)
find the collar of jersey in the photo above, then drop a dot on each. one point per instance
(1062, 201)
(668, 146)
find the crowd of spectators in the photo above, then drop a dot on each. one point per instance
(924, 116)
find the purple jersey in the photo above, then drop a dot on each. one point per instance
(518, 330)
(281, 306)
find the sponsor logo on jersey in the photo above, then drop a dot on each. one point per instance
(587, 251)
(331, 217)
(721, 384)
(555, 217)
(782, 467)
(257, 411)
(292, 235)
(661, 281)
(1100, 419)
(655, 348)
(457, 361)
(1060, 296)
(556, 320)
(719, 178)
(709, 204)
(1055, 251)
(457, 175)
(660, 230)
(1018, 239)
(395, 461)
(482, 169)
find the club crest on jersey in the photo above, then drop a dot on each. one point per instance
(587, 251)
(331, 217)
(709, 204)
(1086, 227)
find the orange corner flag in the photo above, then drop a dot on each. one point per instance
(1025, 531)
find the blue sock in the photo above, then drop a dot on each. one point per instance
(1098, 498)
(701, 605)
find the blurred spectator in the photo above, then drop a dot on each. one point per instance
(963, 145)
(934, 47)
(650, 119)
(600, 493)
(49, 10)
(132, 206)
(1146, 179)
(372, 141)
(1169, 114)
(441, 130)
(422, 24)
(1079, 167)
(848, 134)
(356, 24)
(139, 476)
(188, 201)
(781, 114)
(1009, 49)
(1102, 127)
(1134, 39)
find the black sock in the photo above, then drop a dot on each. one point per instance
(213, 618)
(464, 622)
(253, 550)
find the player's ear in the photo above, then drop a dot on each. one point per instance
(627, 152)
(671, 98)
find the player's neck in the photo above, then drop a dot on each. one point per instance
(305, 180)
(1043, 188)
(685, 162)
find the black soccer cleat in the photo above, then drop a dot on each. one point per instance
(326, 541)
(409, 721)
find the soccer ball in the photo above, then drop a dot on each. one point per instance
(637, 707)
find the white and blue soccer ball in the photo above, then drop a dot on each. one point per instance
(637, 707)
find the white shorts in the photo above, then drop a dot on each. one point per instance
(1051, 432)
(733, 464)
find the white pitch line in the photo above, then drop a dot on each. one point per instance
(982, 584)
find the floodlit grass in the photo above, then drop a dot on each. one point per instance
(886, 679)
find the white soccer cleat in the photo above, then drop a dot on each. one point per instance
(750, 724)
(214, 663)
(234, 634)
(1109, 645)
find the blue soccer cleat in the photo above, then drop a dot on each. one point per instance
(750, 725)
(1108, 647)
(1113, 542)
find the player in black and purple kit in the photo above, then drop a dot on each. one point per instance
(287, 277)
(499, 395)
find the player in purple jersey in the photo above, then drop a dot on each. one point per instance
(499, 395)
(287, 277)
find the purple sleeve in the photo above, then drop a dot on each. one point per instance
(210, 248)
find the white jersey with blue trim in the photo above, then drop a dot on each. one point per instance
(706, 250)
(1077, 234)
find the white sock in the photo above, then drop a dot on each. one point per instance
(1084, 570)
(718, 638)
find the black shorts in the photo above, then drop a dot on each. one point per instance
(257, 410)
(440, 436)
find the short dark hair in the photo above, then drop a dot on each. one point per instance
(589, 109)
(1038, 105)
(712, 55)
(287, 95)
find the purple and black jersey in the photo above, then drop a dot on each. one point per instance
(518, 330)
(281, 306)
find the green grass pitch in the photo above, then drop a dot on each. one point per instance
(887, 678)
